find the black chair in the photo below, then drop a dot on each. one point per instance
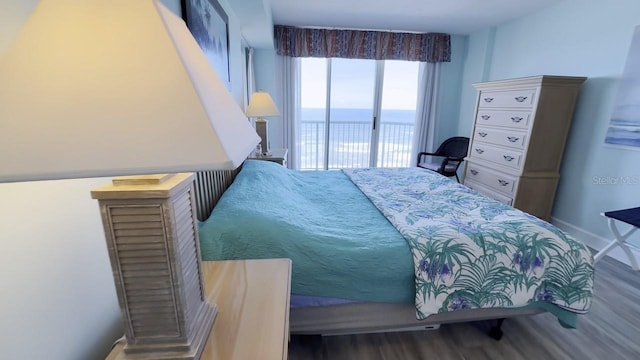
(452, 151)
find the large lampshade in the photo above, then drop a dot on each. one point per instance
(117, 87)
(120, 87)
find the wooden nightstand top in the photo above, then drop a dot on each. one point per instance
(253, 309)
(275, 155)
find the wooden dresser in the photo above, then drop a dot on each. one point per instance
(518, 139)
(253, 310)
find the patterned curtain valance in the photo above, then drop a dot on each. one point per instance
(355, 44)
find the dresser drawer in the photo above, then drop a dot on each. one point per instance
(514, 139)
(510, 158)
(513, 119)
(493, 179)
(488, 192)
(513, 98)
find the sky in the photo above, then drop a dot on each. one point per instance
(353, 83)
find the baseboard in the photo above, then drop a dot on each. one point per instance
(592, 240)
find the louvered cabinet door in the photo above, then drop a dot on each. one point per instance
(153, 246)
(140, 239)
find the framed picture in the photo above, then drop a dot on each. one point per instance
(624, 128)
(209, 25)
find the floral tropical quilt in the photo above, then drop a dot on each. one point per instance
(471, 251)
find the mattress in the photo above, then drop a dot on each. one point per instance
(397, 236)
(340, 244)
(470, 251)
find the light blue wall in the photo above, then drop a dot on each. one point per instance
(449, 94)
(581, 38)
(476, 69)
(265, 71)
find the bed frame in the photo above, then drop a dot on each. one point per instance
(209, 187)
(351, 318)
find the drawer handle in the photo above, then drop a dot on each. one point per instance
(479, 151)
(508, 158)
(488, 99)
(513, 138)
(473, 172)
(520, 98)
(485, 117)
(516, 119)
(503, 182)
(482, 134)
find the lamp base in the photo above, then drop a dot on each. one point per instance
(262, 130)
(165, 351)
(153, 244)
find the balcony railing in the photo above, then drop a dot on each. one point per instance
(350, 144)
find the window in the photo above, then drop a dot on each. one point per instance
(357, 113)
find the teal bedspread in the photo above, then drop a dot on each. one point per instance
(470, 251)
(451, 248)
(340, 244)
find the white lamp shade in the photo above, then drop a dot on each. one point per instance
(113, 87)
(261, 104)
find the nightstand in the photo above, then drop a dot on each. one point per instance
(253, 310)
(275, 155)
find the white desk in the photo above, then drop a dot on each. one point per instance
(628, 216)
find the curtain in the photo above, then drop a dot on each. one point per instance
(426, 110)
(250, 81)
(288, 76)
(429, 48)
(355, 44)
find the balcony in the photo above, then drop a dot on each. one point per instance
(350, 144)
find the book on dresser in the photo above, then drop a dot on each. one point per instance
(518, 140)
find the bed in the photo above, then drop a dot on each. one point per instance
(392, 249)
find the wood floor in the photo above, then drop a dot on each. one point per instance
(610, 331)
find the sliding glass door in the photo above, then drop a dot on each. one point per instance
(313, 119)
(397, 113)
(351, 112)
(351, 118)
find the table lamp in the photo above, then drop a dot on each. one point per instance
(98, 88)
(261, 105)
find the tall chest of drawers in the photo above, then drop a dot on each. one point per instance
(518, 139)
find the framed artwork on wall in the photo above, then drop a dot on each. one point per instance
(209, 25)
(624, 127)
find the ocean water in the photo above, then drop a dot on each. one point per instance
(624, 127)
(625, 122)
(623, 135)
(350, 138)
(349, 115)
